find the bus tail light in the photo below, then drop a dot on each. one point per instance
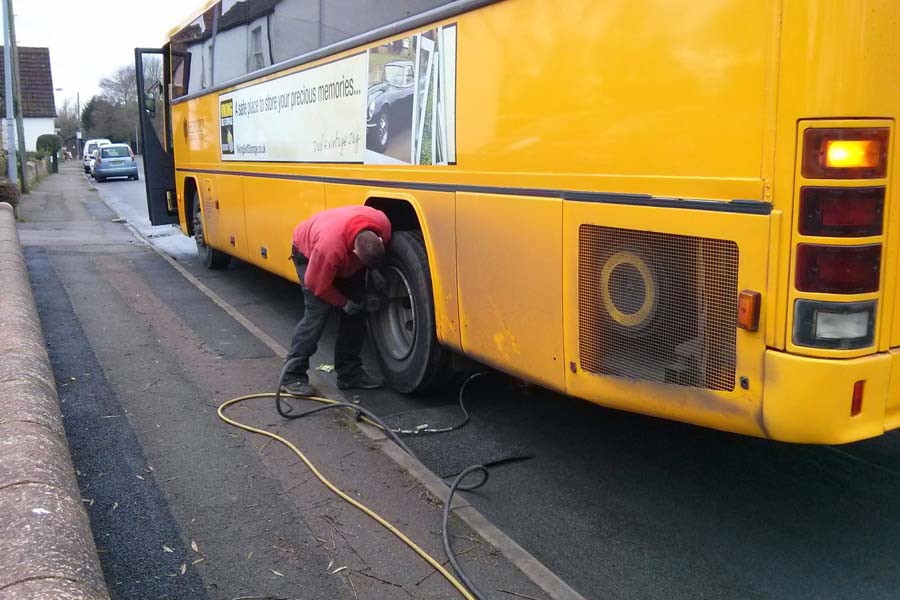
(834, 325)
(857, 400)
(838, 269)
(841, 212)
(845, 153)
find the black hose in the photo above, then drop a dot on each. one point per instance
(456, 485)
(425, 430)
(448, 550)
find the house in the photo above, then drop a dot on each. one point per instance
(38, 105)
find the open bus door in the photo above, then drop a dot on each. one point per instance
(152, 70)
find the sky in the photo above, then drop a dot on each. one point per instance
(89, 40)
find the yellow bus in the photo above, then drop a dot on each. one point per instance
(678, 208)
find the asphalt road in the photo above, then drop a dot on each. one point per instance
(626, 506)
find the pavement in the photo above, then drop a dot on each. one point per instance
(182, 505)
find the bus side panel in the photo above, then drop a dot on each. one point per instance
(624, 88)
(274, 207)
(223, 210)
(509, 252)
(650, 312)
(436, 213)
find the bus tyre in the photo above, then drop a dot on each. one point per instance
(212, 258)
(403, 332)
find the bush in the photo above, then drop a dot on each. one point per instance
(9, 192)
(49, 143)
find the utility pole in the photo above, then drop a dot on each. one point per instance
(17, 93)
(10, 125)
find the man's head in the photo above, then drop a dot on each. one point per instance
(369, 248)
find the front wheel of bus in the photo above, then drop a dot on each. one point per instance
(403, 331)
(212, 258)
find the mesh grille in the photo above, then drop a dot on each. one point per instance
(657, 306)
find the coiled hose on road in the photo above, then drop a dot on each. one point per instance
(461, 581)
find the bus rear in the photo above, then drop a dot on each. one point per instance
(831, 370)
(806, 268)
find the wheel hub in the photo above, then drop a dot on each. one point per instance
(395, 323)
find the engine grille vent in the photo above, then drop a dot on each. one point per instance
(657, 306)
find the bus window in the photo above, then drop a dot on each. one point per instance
(191, 56)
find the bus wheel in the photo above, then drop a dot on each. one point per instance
(403, 332)
(212, 258)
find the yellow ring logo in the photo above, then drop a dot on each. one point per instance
(640, 315)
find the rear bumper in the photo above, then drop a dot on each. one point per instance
(808, 400)
(116, 172)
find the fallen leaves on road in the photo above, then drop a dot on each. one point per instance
(167, 549)
(276, 572)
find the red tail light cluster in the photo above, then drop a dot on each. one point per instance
(841, 212)
(840, 209)
(838, 269)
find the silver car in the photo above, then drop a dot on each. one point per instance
(114, 160)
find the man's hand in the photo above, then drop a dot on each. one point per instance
(373, 302)
(351, 307)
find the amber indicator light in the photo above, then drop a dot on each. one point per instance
(748, 310)
(845, 153)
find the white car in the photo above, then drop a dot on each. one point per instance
(89, 147)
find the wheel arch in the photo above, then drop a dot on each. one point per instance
(190, 188)
(406, 214)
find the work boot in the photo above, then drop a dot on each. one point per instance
(359, 381)
(298, 388)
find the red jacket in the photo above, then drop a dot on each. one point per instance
(326, 239)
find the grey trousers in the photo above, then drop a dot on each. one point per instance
(351, 329)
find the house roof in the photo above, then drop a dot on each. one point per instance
(36, 81)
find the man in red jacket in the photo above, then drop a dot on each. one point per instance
(331, 251)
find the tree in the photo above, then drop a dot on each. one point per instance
(121, 87)
(67, 121)
(49, 143)
(104, 119)
(87, 115)
(113, 114)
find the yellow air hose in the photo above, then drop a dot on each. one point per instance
(463, 591)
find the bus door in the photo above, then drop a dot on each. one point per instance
(152, 69)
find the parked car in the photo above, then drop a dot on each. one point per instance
(114, 160)
(89, 147)
(390, 103)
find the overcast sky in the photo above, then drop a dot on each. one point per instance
(89, 39)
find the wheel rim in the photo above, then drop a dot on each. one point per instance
(395, 323)
(383, 130)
